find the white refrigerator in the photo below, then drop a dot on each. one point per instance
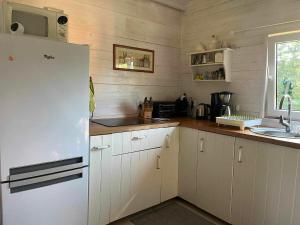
(44, 136)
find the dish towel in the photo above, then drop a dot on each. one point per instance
(92, 98)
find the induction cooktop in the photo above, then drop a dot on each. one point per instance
(116, 122)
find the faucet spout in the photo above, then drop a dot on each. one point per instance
(283, 122)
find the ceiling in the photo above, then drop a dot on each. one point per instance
(176, 4)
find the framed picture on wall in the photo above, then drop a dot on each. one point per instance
(133, 59)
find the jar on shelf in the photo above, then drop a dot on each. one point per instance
(219, 58)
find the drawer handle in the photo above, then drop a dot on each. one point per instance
(202, 145)
(168, 141)
(240, 154)
(137, 138)
(100, 148)
(158, 162)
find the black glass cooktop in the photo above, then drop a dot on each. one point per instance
(116, 122)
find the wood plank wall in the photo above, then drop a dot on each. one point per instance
(138, 23)
(205, 17)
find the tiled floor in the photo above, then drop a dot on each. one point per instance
(174, 212)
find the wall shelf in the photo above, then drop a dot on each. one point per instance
(211, 65)
(207, 64)
(210, 80)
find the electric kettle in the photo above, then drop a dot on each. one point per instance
(203, 111)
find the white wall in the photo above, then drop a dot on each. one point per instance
(137, 23)
(205, 17)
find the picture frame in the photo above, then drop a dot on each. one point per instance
(134, 59)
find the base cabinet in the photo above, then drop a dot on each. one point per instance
(240, 181)
(169, 164)
(266, 184)
(141, 179)
(188, 164)
(99, 180)
(206, 171)
(215, 174)
(131, 171)
(136, 182)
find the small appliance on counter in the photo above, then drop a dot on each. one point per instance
(203, 111)
(164, 109)
(220, 104)
(182, 106)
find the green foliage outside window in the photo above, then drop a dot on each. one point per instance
(288, 72)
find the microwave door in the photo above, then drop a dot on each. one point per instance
(36, 21)
(34, 24)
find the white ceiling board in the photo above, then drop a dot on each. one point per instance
(176, 4)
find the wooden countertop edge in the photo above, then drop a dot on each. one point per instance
(96, 129)
(247, 134)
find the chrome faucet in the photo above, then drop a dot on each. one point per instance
(283, 122)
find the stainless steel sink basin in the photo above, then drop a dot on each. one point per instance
(273, 132)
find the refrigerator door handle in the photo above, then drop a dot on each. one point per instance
(31, 171)
(42, 181)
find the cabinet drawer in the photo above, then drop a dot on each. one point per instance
(121, 143)
(100, 142)
(127, 142)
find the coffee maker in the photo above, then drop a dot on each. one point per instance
(220, 104)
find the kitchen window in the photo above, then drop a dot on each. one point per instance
(284, 73)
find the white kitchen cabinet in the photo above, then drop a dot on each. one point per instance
(169, 163)
(145, 179)
(266, 184)
(139, 140)
(121, 143)
(144, 174)
(215, 174)
(188, 164)
(127, 142)
(206, 171)
(99, 179)
(136, 182)
(121, 192)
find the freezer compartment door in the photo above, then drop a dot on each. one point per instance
(44, 97)
(60, 199)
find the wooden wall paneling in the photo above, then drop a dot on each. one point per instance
(204, 18)
(143, 24)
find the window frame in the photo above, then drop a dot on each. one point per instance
(271, 110)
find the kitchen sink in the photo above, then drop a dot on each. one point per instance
(274, 132)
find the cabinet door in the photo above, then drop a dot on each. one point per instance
(188, 164)
(145, 179)
(170, 151)
(266, 181)
(136, 182)
(139, 140)
(244, 178)
(99, 180)
(121, 143)
(121, 201)
(215, 174)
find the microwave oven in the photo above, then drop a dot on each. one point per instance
(29, 20)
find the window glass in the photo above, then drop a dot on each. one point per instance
(288, 72)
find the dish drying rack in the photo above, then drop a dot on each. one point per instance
(241, 121)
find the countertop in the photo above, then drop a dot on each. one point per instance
(235, 132)
(96, 129)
